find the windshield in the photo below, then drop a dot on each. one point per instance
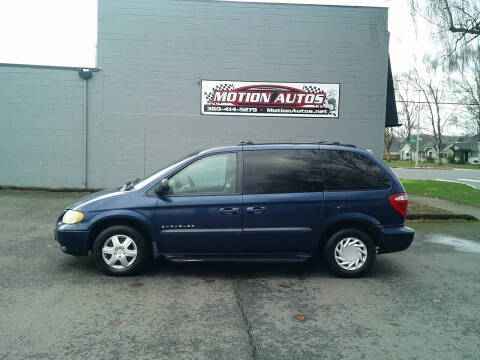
(158, 173)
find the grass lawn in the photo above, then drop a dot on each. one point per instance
(407, 163)
(443, 190)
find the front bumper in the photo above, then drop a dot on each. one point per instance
(73, 242)
(392, 239)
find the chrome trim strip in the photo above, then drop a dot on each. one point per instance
(271, 229)
(202, 230)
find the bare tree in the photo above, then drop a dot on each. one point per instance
(469, 97)
(457, 27)
(409, 108)
(433, 95)
(389, 139)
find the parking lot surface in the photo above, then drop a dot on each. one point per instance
(419, 304)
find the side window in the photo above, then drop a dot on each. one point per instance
(347, 170)
(282, 171)
(215, 174)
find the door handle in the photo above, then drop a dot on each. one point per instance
(229, 211)
(256, 210)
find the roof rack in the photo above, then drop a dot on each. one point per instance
(297, 143)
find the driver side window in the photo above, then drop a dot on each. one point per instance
(215, 174)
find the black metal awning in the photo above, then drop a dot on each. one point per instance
(391, 116)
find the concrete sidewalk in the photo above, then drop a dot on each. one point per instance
(450, 206)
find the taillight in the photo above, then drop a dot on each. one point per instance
(400, 203)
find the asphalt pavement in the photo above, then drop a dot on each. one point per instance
(464, 176)
(419, 304)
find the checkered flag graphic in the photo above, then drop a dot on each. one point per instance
(312, 89)
(209, 96)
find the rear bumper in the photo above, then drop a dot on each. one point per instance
(394, 239)
(72, 242)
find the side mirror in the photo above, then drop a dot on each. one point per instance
(163, 187)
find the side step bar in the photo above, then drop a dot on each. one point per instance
(287, 258)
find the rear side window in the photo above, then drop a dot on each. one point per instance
(282, 171)
(346, 170)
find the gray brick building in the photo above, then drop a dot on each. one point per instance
(144, 98)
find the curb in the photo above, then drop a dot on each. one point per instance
(420, 217)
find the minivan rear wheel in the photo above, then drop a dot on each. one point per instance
(120, 251)
(349, 253)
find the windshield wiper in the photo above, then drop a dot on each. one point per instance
(130, 184)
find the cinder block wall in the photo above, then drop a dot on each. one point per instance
(144, 103)
(41, 127)
(153, 54)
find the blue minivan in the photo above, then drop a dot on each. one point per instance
(251, 202)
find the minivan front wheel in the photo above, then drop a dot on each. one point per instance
(349, 253)
(120, 251)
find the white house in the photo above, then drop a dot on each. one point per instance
(426, 150)
(466, 150)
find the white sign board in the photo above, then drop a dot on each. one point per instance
(270, 99)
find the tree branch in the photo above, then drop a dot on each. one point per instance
(449, 13)
(473, 30)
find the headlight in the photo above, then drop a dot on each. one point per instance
(72, 217)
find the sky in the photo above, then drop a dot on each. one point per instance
(48, 32)
(64, 32)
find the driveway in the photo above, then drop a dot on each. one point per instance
(419, 304)
(465, 176)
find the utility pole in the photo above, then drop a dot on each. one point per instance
(418, 131)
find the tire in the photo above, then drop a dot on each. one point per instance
(121, 251)
(349, 253)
